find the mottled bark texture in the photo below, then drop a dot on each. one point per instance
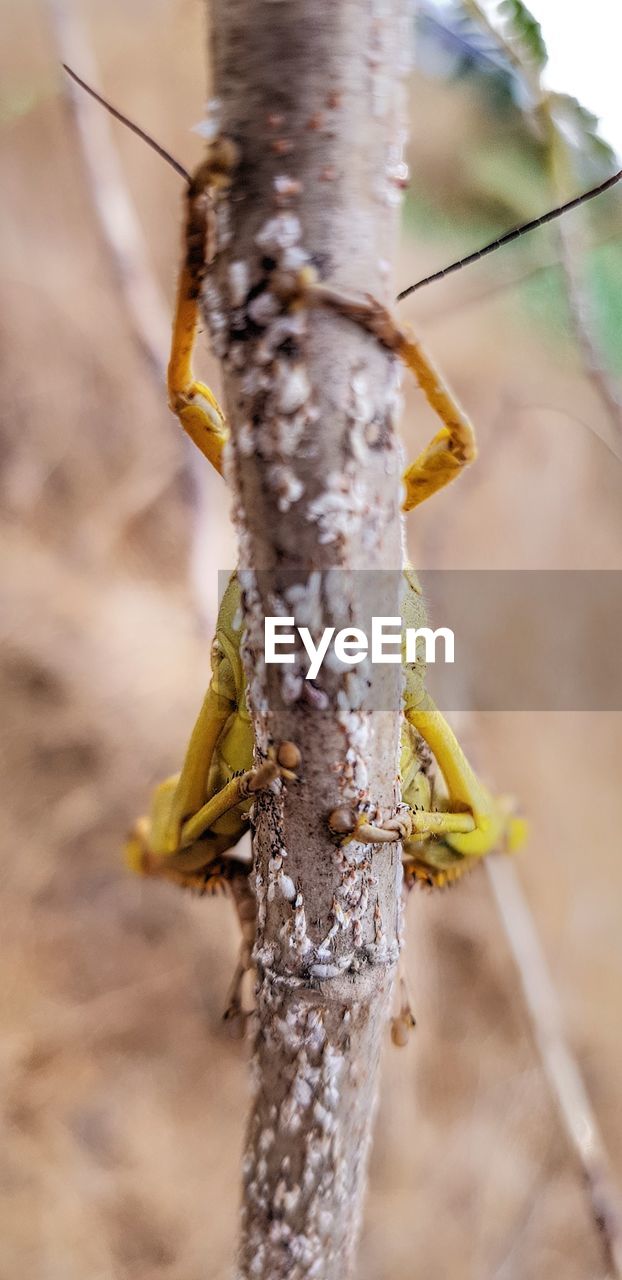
(310, 90)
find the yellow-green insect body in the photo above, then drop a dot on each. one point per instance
(197, 816)
(201, 814)
(220, 753)
(234, 750)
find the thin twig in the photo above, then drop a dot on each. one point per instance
(119, 224)
(559, 1063)
(582, 319)
(558, 158)
(143, 300)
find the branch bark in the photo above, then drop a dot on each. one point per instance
(311, 94)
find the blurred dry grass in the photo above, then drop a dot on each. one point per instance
(123, 1098)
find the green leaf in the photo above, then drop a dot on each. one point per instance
(579, 129)
(523, 32)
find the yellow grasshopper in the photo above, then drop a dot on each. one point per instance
(199, 815)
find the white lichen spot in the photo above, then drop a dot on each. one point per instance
(217, 321)
(254, 380)
(279, 437)
(288, 326)
(261, 896)
(356, 685)
(263, 309)
(290, 1200)
(322, 972)
(378, 925)
(279, 1233)
(317, 698)
(257, 1261)
(287, 887)
(245, 439)
(292, 686)
(296, 929)
(236, 356)
(286, 189)
(339, 510)
(224, 231)
(305, 601)
(254, 1076)
(266, 1140)
(315, 1036)
(294, 258)
(324, 1118)
(397, 172)
(360, 390)
(287, 487)
(388, 194)
(300, 1096)
(341, 917)
(238, 282)
(209, 128)
(275, 864)
(291, 387)
(279, 233)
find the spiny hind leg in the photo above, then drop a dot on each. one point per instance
(156, 844)
(181, 796)
(175, 836)
(494, 826)
(469, 822)
(148, 849)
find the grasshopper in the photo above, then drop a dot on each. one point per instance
(198, 816)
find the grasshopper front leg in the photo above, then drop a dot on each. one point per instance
(453, 447)
(191, 401)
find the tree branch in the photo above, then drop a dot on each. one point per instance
(311, 96)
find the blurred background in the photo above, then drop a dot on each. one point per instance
(123, 1097)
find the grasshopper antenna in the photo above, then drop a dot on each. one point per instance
(498, 243)
(512, 235)
(135, 128)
